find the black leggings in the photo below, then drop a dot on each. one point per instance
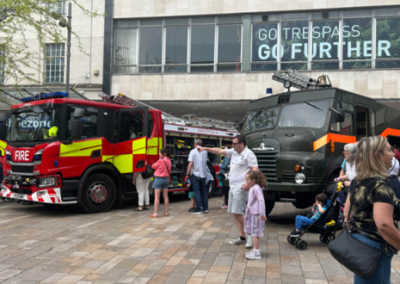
(225, 192)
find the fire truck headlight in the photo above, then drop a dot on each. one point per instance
(300, 178)
(8, 155)
(47, 181)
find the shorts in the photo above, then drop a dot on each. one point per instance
(237, 200)
(191, 194)
(161, 182)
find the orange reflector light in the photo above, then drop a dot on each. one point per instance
(297, 168)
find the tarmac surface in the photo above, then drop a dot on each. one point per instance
(60, 244)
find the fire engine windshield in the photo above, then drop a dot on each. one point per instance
(39, 123)
(306, 114)
(264, 118)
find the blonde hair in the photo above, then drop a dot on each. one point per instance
(367, 164)
(260, 178)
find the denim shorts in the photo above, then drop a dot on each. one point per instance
(161, 182)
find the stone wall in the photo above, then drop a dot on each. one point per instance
(374, 84)
(156, 8)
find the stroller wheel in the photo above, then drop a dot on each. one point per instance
(301, 244)
(291, 240)
(325, 238)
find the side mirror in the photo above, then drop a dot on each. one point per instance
(339, 115)
(76, 128)
(3, 131)
(79, 112)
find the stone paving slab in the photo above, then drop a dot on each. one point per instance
(59, 244)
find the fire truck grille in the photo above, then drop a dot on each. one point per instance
(21, 190)
(21, 169)
(267, 164)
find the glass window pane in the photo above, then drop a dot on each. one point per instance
(357, 65)
(304, 115)
(326, 15)
(176, 21)
(356, 13)
(126, 23)
(325, 65)
(203, 20)
(265, 18)
(295, 40)
(151, 22)
(388, 64)
(264, 42)
(176, 45)
(229, 68)
(229, 43)
(229, 19)
(150, 45)
(124, 69)
(387, 12)
(325, 40)
(125, 47)
(357, 38)
(154, 69)
(202, 44)
(294, 66)
(201, 69)
(295, 16)
(263, 67)
(387, 38)
(175, 69)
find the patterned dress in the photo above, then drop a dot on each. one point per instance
(253, 224)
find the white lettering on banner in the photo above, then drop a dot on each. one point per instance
(345, 32)
(262, 34)
(295, 32)
(263, 54)
(357, 32)
(326, 30)
(350, 49)
(325, 47)
(295, 50)
(316, 34)
(383, 45)
(367, 48)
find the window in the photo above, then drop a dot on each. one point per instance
(294, 37)
(125, 51)
(150, 50)
(229, 48)
(176, 50)
(325, 45)
(387, 43)
(346, 126)
(58, 7)
(89, 123)
(264, 118)
(132, 123)
(55, 63)
(202, 49)
(310, 114)
(264, 47)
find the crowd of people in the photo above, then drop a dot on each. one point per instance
(243, 197)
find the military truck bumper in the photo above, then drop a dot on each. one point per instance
(293, 187)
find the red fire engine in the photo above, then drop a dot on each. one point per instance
(56, 150)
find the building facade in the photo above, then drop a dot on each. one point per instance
(228, 50)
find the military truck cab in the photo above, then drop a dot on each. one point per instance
(298, 138)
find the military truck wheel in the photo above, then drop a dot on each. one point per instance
(269, 206)
(98, 194)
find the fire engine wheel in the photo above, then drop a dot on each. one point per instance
(99, 193)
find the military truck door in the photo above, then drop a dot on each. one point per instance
(362, 122)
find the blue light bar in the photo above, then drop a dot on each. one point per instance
(55, 95)
(45, 96)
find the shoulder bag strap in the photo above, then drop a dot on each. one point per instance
(166, 165)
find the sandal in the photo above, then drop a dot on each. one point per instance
(137, 209)
(152, 216)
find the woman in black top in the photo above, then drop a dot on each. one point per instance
(375, 211)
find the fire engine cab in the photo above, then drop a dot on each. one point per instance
(56, 150)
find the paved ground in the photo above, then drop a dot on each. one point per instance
(41, 244)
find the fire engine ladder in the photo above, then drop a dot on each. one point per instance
(188, 119)
(291, 78)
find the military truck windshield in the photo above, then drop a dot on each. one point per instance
(264, 118)
(38, 123)
(307, 114)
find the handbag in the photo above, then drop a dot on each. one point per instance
(148, 172)
(354, 254)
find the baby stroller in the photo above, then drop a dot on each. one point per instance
(321, 226)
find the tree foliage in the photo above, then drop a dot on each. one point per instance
(19, 19)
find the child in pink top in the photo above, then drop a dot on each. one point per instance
(254, 217)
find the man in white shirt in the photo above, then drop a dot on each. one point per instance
(198, 168)
(242, 160)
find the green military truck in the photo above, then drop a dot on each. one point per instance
(298, 137)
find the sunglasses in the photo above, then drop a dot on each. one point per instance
(235, 143)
